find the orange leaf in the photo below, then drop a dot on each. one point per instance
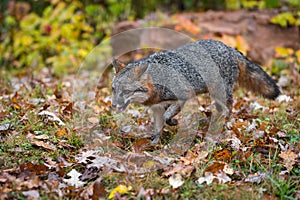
(61, 132)
(223, 154)
(17, 106)
(298, 56)
(215, 167)
(241, 44)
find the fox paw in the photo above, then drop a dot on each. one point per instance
(155, 140)
(172, 122)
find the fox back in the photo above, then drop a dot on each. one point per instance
(194, 68)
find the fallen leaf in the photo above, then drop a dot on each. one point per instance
(36, 168)
(98, 190)
(285, 98)
(107, 162)
(93, 120)
(52, 117)
(281, 134)
(125, 129)
(202, 155)
(234, 142)
(255, 178)
(90, 173)
(189, 158)
(41, 137)
(140, 145)
(184, 170)
(17, 106)
(282, 52)
(31, 194)
(5, 127)
(74, 180)
(241, 44)
(208, 178)
(257, 106)
(85, 157)
(144, 194)
(68, 109)
(187, 25)
(121, 189)
(223, 154)
(49, 162)
(298, 56)
(222, 177)
(61, 132)
(44, 145)
(228, 170)
(176, 181)
(215, 167)
(289, 158)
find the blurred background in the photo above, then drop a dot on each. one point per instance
(60, 34)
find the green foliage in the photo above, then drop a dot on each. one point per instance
(60, 38)
(286, 19)
(294, 2)
(251, 4)
(60, 34)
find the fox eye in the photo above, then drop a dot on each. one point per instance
(141, 90)
(127, 91)
(113, 89)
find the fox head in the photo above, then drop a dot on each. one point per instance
(131, 84)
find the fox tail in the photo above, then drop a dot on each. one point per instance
(252, 77)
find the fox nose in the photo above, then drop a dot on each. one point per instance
(114, 105)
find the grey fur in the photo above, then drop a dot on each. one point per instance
(177, 75)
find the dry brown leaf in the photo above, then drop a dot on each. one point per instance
(289, 158)
(140, 145)
(68, 109)
(41, 137)
(189, 158)
(215, 167)
(180, 168)
(93, 120)
(44, 145)
(223, 154)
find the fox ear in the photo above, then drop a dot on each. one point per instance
(118, 65)
(140, 70)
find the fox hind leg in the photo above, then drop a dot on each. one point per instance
(172, 111)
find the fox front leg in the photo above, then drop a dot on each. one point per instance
(159, 121)
(171, 112)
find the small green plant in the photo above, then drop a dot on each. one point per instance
(75, 140)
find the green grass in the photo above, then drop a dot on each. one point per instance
(16, 148)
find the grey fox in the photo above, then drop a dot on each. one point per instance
(167, 79)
